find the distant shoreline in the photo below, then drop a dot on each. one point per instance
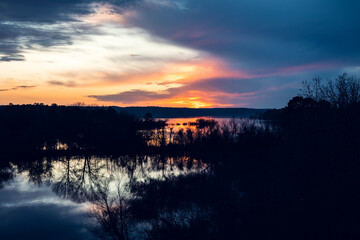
(168, 112)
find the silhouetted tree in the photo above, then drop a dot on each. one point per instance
(343, 91)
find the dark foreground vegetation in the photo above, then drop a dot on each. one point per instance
(40, 127)
(295, 178)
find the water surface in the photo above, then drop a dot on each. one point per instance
(56, 198)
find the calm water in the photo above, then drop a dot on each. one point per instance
(173, 125)
(58, 198)
(185, 123)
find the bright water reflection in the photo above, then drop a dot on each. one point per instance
(186, 131)
(191, 123)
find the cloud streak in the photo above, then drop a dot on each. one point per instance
(16, 88)
(133, 96)
(64, 84)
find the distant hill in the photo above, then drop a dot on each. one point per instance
(167, 112)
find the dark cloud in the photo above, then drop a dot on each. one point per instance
(17, 37)
(29, 24)
(15, 88)
(12, 58)
(64, 84)
(132, 96)
(40, 11)
(259, 35)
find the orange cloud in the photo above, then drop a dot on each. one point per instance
(198, 99)
(179, 72)
(171, 86)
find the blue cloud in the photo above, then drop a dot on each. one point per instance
(260, 35)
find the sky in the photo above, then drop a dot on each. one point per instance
(173, 53)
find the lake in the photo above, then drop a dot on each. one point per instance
(60, 198)
(116, 197)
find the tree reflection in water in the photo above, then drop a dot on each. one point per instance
(107, 185)
(79, 179)
(6, 173)
(110, 210)
(38, 171)
(138, 208)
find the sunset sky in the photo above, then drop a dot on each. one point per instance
(178, 53)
